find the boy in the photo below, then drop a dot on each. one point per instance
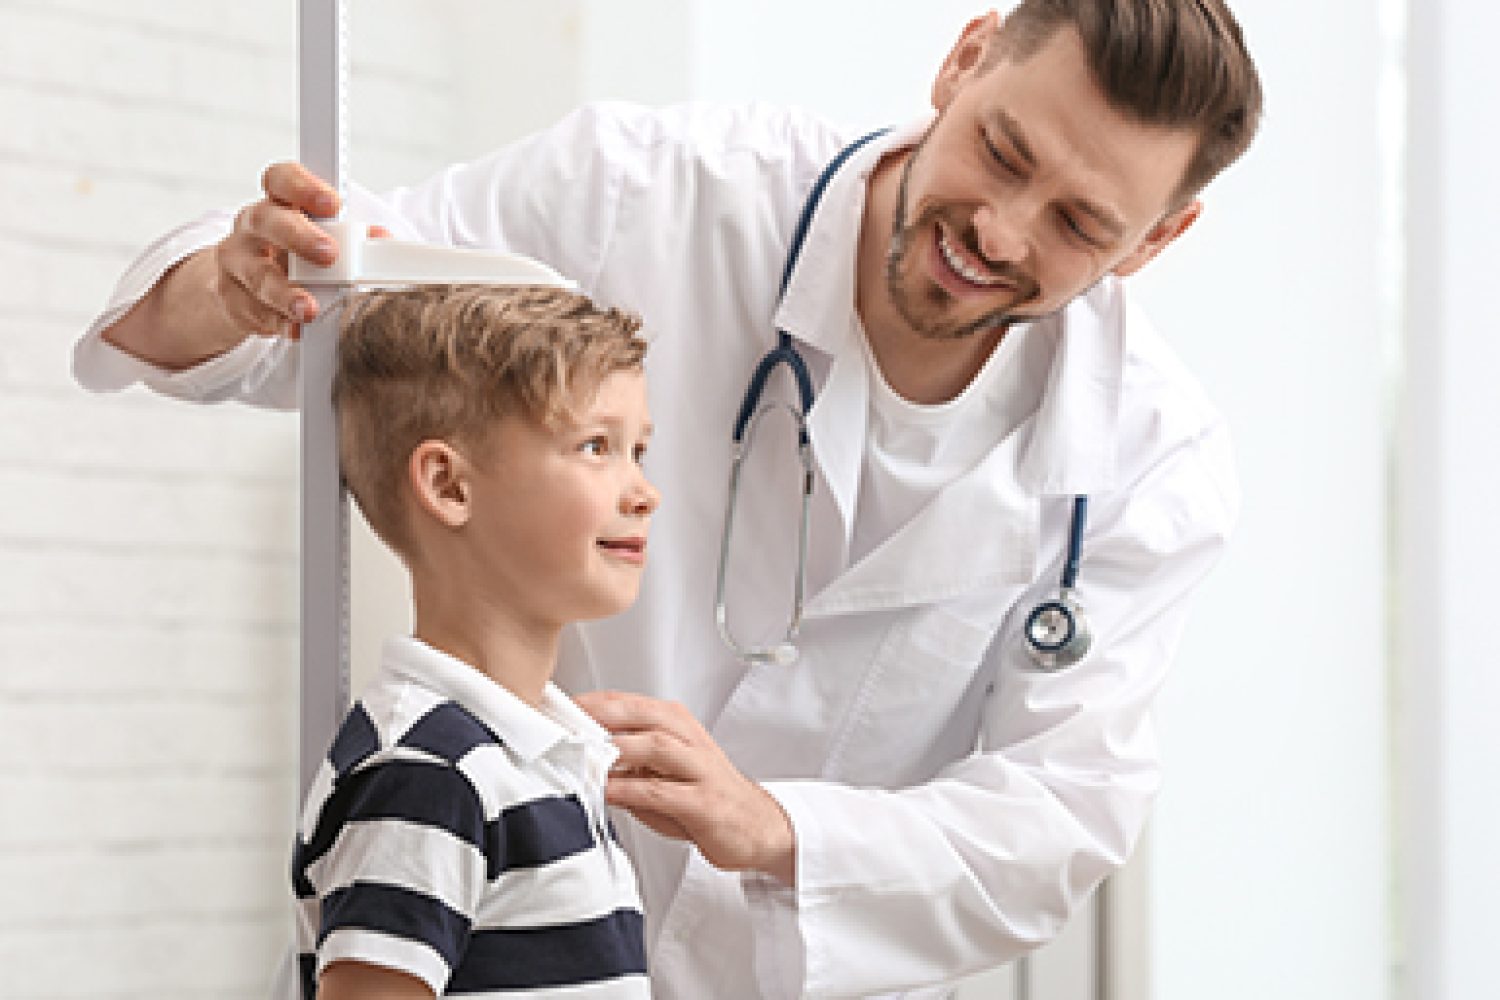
(455, 840)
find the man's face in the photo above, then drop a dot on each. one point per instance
(560, 515)
(1027, 189)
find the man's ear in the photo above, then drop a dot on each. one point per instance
(439, 475)
(1171, 226)
(967, 55)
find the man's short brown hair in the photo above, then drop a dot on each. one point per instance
(448, 361)
(1175, 63)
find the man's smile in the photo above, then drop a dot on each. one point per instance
(957, 260)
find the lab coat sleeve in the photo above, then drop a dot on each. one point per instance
(550, 196)
(259, 370)
(898, 889)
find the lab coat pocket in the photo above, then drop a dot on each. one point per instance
(918, 706)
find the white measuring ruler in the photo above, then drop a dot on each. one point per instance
(322, 61)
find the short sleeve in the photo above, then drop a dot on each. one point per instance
(403, 870)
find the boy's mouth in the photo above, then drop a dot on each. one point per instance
(631, 549)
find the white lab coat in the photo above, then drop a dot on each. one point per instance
(951, 806)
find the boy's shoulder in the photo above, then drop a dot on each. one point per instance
(406, 720)
(397, 724)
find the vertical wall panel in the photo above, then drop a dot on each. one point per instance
(1450, 490)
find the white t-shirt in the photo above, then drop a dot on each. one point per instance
(912, 450)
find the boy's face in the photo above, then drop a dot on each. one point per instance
(559, 515)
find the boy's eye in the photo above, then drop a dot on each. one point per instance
(639, 452)
(594, 446)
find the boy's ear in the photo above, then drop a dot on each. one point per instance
(439, 477)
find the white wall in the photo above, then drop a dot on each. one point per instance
(1269, 853)
(1449, 491)
(147, 550)
(146, 553)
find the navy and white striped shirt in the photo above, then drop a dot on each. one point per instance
(457, 834)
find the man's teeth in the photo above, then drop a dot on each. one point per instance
(964, 269)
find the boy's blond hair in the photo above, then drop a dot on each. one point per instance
(447, 362)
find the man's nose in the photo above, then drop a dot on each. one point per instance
(1001, 232)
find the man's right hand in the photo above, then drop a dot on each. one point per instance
(250, 264)
(212, 300)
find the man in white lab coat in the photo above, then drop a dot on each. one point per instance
(910, 800)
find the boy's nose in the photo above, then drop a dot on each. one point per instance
(642, 498)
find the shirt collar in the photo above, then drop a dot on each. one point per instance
(529, 732)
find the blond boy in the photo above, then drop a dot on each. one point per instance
(455, 840)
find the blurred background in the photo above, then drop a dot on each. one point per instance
(1329, 824)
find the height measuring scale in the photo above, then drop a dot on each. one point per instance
(323, 75)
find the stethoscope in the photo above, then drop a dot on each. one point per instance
(1056, 632)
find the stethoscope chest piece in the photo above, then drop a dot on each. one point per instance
(1057, 633)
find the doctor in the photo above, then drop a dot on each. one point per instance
(906, 797)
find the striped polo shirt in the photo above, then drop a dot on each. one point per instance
(457, 834)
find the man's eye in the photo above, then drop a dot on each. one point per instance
(999, 157)
(1078, 230)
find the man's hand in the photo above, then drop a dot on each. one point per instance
(250, 274)
(673, 777)
(217, 297)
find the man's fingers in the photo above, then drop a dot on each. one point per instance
(293, 185)
(272, 227)
(664, 825)
(248, 313)
(622, 712)
(658, 753)
(260, 273)
(665, 806)
(247, 307)
(252, 262)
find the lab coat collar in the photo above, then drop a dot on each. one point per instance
(1074, 433)
(817, 308)
(982, 531)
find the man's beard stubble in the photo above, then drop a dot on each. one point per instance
(902, 236)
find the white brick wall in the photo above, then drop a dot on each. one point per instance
(147, 548)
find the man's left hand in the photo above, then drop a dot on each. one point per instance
(673, 777)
